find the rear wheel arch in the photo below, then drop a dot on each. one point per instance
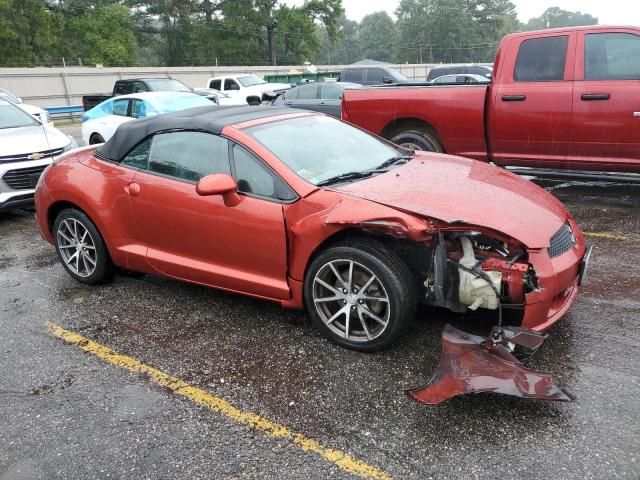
(415, 130)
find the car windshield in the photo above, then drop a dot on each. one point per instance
(4, 95)
(324, 148)
(168, 85)
(175, 103)
(14, 117)
(250, 80)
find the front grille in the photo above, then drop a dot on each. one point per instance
(562, 241)
(23, 178)
(24, 157)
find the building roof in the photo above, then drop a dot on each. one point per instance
(209, 119)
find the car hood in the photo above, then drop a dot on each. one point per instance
(36, 138)
(461, 191)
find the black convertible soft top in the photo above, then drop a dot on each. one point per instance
(210, 119)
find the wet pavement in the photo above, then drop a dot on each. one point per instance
(66, 414)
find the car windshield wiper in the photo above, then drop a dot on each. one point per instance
(345, 177)
(393, 160)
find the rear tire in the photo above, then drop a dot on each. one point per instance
(367, 309)
(95, 139)
(418, 139)
(80, 247)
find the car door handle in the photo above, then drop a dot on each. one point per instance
(590, 97)
(133, 189)
(514, 98)
(289, 103)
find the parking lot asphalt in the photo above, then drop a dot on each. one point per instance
(66, 413)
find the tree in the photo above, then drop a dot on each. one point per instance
(103, 35)
(299, 41)
(344, 48)
(555, 17)
(377, 36)
(28, 32)
(451, 30)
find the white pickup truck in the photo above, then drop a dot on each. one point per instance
(248, 87)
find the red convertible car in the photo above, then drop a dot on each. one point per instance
(305, 210)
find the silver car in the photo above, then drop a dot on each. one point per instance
(27, 147)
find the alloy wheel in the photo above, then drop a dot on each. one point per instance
(351, 300)
(77, 247)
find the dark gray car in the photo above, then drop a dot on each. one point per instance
(324, 97)
(370, 75)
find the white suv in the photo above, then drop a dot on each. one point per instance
(27, 147)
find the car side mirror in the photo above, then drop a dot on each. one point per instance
(234, 86)
(219, 184)
(387, 80)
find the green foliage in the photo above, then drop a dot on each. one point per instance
(451, 30)
(378, 37)
(103, 35)
(343, 49)
(27, 32)
(555, 17)
(257, 32)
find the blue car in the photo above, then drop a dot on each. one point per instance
(101, 122)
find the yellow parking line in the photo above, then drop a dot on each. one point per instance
(607, 235)
(219, 405)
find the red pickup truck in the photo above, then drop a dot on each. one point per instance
(563, 98)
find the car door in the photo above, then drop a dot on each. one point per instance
(119, 115)
(231, 87)
(606, 101)
(198, 238)
(306, 98)
(330, 99)
(530, 111)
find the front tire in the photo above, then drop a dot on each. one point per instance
(80, 247)
(359, 294)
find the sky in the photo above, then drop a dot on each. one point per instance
(610, 12)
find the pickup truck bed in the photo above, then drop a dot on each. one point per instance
(456, 111)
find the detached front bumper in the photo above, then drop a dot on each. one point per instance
(558, 284)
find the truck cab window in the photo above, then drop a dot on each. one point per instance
(353, 75)
(375, 76)
(230, 84)
(541, 59)
(123, 88)
(612, 56)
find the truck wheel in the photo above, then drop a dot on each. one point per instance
(359, 294)
(95, 139)
(418, 140)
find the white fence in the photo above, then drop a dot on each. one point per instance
(49, 87)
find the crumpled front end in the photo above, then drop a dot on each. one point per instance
(473, 269)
